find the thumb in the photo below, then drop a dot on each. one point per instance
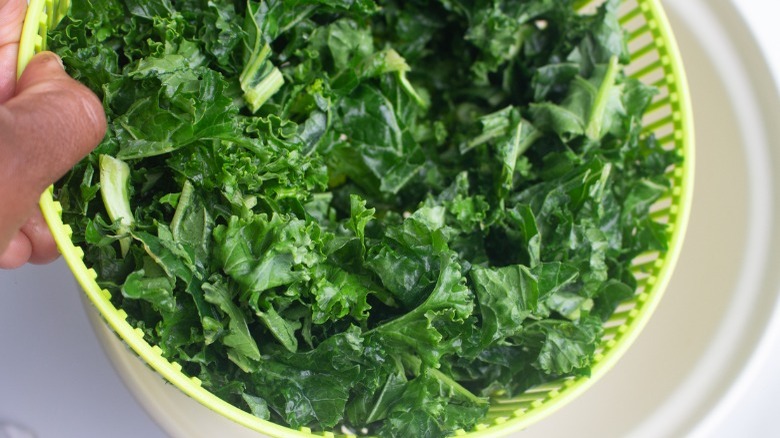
(50, 123)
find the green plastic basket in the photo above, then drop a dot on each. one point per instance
(655, 60)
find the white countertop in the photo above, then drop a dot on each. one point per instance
(56, 380)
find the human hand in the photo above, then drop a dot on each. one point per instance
(48, 122)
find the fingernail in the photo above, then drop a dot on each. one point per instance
(59, 60)
(53, 56)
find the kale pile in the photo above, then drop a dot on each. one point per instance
(364, 215)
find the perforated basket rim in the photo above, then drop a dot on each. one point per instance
(539, 402)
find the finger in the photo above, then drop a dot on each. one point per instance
(11, 18)
(56, 120)
(33, 243)
(50, 124)
(43, 247)
(17, 253)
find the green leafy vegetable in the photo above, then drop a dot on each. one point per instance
(358, 215)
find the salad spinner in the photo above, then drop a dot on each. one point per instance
(655, 60)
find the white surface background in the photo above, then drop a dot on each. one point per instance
(56, 380)
(755, 414)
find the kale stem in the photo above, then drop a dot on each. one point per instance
(260, 79)
(459, 389)
(184, 202)
(114, 181)
(596, 122)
